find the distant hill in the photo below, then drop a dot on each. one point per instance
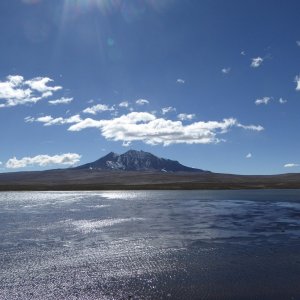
(133, 160)
(139, 170)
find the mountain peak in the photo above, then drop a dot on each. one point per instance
(112, 154)
(135, 152)
(134, 160)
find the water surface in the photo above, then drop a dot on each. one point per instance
(150, 245)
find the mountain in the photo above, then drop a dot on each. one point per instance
(134, 160)
(148, 172)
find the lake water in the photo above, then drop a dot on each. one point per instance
(150, 245)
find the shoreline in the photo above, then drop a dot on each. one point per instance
(69, 180)
(22, 188)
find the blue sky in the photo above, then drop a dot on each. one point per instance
(211, 83)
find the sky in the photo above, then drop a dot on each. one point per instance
(213, 84)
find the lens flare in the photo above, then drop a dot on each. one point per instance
(91, 20)
(31, 1)
(109, 6)
(83, 6)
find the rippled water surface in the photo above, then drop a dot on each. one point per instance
(150, 245)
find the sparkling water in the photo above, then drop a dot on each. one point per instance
(150, 245)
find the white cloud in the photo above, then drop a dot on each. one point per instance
(243, 53)
(62, 100)
(15, 80)
(297, 80)
(86, 123)
(249, 155)
(47, 94)
(256, 62)
(166, 110)
(250, 127)
(43, 160)
(291, 165)
(146, 127)
(40, 84)
(264, 100)
(114, 113)
(15, 91)
(45, 119)
(298, 43)
(180, 81)
(12, 94)
(124, 104)
(49, 120)
(126, 144)
(226, 70)
(184, 117)
(98, 108)
(142, 101)
(29, 119)
(0, 163)
(282, 101)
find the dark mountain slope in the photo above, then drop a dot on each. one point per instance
(134, 160)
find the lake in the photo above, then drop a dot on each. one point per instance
(150, 245)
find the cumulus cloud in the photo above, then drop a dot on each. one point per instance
(297, 80)
(146, 127)
(62, 100)
(16, 91)
(249, 155)
(142, 102)
(282, 101)
(264, 100)
(166, 110)
(98, 108)
(291, 165)
(180, 81)
(184, 117)
(86, 123)
(43, 160)
(0, 163)
(124, 104)
(243, 53)
(226, 70)
(256, 62)
(40, 84)
(298, 43)
(49, 120)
